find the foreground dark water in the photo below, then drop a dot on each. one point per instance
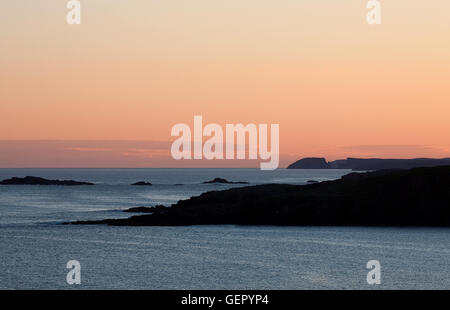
(34, 248)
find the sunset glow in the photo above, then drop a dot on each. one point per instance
(116, 84)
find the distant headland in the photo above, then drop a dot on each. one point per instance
(367, 164)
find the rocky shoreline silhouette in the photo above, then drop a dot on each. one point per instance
(415, 197)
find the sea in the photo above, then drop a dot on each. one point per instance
(35, 247)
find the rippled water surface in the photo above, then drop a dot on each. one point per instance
(35, 247)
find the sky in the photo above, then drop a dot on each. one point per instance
(106, 93)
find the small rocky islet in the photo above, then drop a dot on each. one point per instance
(223, 181)
(31, 180)
(142, 183)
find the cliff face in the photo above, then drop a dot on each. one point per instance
(416, 197)
(366, 164)
(310, 163)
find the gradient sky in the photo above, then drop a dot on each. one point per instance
(337, 86)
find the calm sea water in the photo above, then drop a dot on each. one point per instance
(34, 247)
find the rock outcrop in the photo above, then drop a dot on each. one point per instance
(142, 183)
(30, 180)
(223, 181)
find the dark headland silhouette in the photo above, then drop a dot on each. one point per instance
(367, 164)
(415, 197)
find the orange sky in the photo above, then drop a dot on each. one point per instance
(337, 86)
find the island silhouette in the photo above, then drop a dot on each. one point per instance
(366, 164)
